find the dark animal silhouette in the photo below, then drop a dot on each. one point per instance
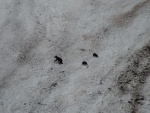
(95, 55)
(58, 60)
(84, 63)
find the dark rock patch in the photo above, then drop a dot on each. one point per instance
(133, 77)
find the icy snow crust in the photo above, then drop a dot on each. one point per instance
(74, 56)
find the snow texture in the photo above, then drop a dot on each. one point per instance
(74, 56)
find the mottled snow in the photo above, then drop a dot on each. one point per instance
(74, 56)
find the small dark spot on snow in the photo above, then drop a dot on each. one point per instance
(82, 49)
(99, 92)
(109, 89)
(58, 60)
(95, 55)
(84, 63)
(133, 112)
(105, 30)
(129, 102)
(39, 102)
(101, 83)
(54, 84)
(61, 71)
(121, 100)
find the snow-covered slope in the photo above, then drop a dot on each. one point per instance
(74, 56)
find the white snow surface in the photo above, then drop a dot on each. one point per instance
(33, 32)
